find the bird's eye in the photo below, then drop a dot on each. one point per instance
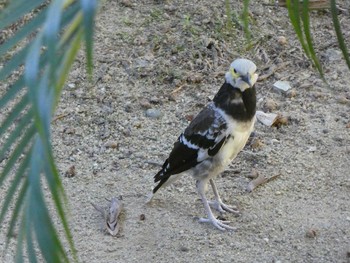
(235, 71)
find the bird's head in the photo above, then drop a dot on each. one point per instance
(241, 74)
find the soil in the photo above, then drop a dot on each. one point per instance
(157, 63)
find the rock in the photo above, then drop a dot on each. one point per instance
(291, 93)
(270, 105)
(267, 119)
(126, 3)
(184, 249)
(70, 172)
(153, 113)
(343, 100)
(311, 233)
(145, 104)
(111, 144)
(312, 149)
(333, 54)
(282, 40)
(256, 144)
(282, 86)
(279, 121)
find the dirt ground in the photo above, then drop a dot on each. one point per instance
(157, 63)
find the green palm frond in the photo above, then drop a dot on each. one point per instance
(301, 25)
(42, 64)
(299, 17)
(339, 33)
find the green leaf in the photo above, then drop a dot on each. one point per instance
(245, 18)
(306, 24)
(67, 63)
(51, 31)
(294, 16)
(16, 10)
(21, 236)
(24, 142)
(26, 30)
(88, 7)
(15, 133)
(14, 186)
(14, 113)
(15, 61)
(15, 214)
(30, 246)
(12, 91)
(46, 234)
(339, 33)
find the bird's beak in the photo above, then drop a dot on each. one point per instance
(247, 79)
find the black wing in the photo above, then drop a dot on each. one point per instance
(202, 139)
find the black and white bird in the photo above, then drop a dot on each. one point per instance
(215, 137)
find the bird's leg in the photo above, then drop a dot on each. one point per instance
(211, 218)
(218, 204)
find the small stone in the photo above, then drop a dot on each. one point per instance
(278, 193)
(106, 78)
(71, 85)
(126, 3)
(153, 113)
(128, 107)
(292, 93)
(267, 119)
(282, 40)
(256, 144)
(343, 100)
(270, 105)
(194, 78)
(184, 249)
(70, 172)
(333, 54)
(283, 86)
(312, 149)
(279, 121)
(170, 8)
(145, 104)
(311, 233)
(112, 145)
(155, 100)
(142, 217)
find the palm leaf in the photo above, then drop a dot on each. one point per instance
(301, 25)
(308, 37)
(339, 33)
(60, 27)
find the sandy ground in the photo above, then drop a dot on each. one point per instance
(170, 58)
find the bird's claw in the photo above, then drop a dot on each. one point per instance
(221, 207)
(220, 224)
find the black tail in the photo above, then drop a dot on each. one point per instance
(162, 176)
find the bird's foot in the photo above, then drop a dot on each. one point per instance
(221, 207)
(220, 224)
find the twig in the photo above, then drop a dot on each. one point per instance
(260, 180)
(272, 70)
(60, 116)
(153, 163)
(178, 89)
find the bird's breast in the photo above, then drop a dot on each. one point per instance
(236, 142)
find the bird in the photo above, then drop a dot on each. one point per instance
(214, 138)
